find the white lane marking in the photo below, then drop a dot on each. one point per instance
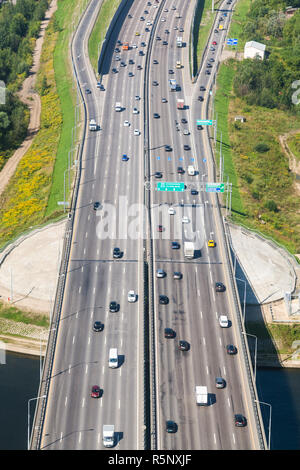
(233, 437)
(96, 269)
(79, 290)
(61, 435)
(79, 438)
(83, 402)
(228, 402)
(69, 368)
(207, 372)
(82, 269)
(215, 439)
(224, 370)
(203, 340)
(86, 368)
(66, 400)
(73, 339)
(89, 340)
(201, 314)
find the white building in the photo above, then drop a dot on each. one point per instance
(254, 49)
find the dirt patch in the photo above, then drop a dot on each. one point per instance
(294, 164)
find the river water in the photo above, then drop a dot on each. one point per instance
(19, 381)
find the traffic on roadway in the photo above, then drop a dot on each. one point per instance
(142, 127)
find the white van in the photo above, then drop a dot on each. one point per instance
(113, 358)
(191, 170)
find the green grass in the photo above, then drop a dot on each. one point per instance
(17, 315)
(222, 98)
(105, 16)
(64, 83)
(240, 11)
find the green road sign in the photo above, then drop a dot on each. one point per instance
(170, 187)
(204, 122)
(215, 187)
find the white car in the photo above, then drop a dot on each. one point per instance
(126, 123)
(135, 111)
(134, 46)
(185, 219)
(171, 211)
(163, 20)
(223, 320)
(186, 132)
(136, 132)
(131, 296)
(117, 58)
(149, 23)
(137, 97)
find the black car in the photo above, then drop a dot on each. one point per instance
(143, 44)
(220, 287)
(155, 62)
(199, 127)
(169, 333)
(168, 148)
(175, 246)
(209, 66)
(194, 192)
(207, 72)
(141, 53)
(163, 300)
(97, 205)
(139, 67)
(117, 253)
(231, 349)
(171, 427)
(186, 147)
(202, 88)
(98, 326)
(131, 61)
(156, 116)
(158, 38)
(180, 170)
(240, 421)
(211, 59)
(171, 71)
(165, 43)
(113, 306)
(88, 91)
(183, 345)
(158, 174)
(155, 83)
(184, 121)
(200, 98)
(114, 70)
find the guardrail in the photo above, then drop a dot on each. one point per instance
(38, 421)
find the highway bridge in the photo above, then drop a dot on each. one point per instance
(155, 380)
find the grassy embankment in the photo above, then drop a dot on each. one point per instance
(203, 23)
(263, 195)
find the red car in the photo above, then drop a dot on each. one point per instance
(214, 43)
(96, 391)
(159, 228)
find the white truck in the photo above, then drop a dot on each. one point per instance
(189, 250)
(191, 170)
(108, 435)
(201, 395)
(93, 125)
(118, 107)
(179, 41)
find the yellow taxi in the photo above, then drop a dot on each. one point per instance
(211, 243)
(137, 33)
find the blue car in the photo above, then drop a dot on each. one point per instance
(124, 157)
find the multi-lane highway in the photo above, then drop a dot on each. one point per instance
(74, 420)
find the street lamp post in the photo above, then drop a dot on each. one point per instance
(255, 354)
(28, 418)
(244, 301)
(269, 437)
